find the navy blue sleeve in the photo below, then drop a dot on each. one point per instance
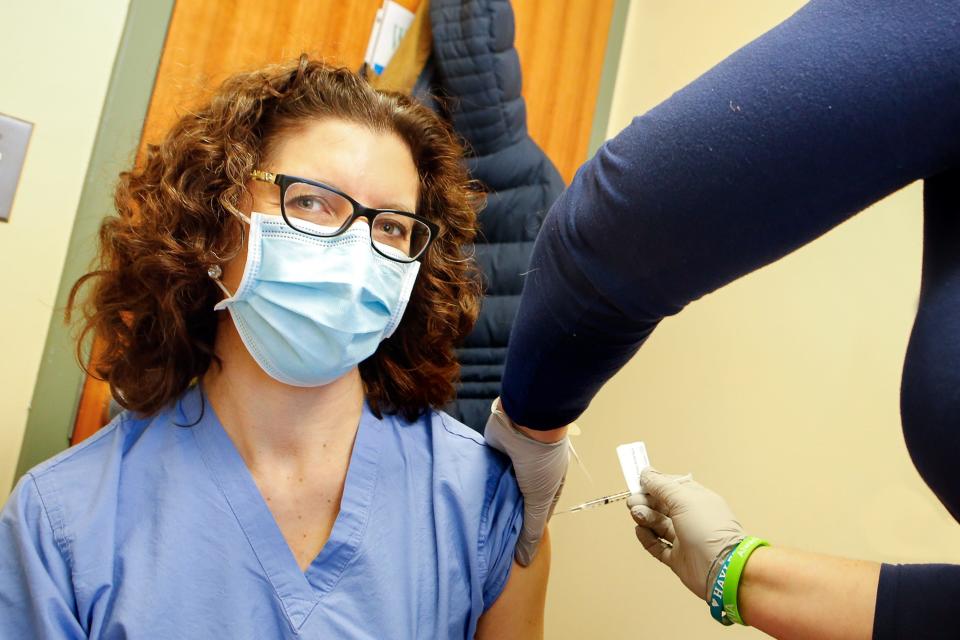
(917, 601)
(842, 104)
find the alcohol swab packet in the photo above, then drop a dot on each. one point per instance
(633, 460)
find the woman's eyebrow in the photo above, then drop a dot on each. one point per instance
(391, 206)
(398, 207)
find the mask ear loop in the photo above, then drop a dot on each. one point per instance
(215, 270)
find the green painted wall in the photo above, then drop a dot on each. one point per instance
(60, 380)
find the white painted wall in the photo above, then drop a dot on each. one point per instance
(57, 57)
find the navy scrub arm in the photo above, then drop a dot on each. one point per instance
(839, 106)
(830, 111)
(917, 601)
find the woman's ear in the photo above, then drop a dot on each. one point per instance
(249, 195)
(234, 258)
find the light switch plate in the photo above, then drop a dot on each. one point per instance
(14, 137)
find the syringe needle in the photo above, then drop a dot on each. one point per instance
(591, 504)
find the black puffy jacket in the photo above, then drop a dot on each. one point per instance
(475, 69)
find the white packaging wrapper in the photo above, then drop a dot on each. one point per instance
(633, 460)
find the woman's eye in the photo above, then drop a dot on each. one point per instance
(307, 203)
(314, 206)
(393, 229)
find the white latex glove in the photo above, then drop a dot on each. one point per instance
(694, 519)
(540, 468)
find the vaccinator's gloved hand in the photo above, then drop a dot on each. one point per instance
(694, 519)
(540, 468)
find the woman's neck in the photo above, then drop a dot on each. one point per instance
(274, 425)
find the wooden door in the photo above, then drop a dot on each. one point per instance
(561, 44)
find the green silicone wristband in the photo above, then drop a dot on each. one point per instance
(737, 563)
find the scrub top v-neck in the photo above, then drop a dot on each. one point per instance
(155, 528)
(298, 591)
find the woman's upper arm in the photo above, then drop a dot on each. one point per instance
(518, 612)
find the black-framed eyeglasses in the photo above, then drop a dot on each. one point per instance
(312, 208)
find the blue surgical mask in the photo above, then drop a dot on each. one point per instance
(310, 309)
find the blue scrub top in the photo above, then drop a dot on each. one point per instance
(154, 530)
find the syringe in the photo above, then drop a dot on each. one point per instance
(616, 497)
(598, 502)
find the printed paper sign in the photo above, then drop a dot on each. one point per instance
(389, 27)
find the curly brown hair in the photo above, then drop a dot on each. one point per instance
(151, 306)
